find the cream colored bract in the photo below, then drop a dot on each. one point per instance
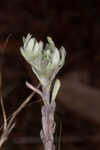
(45, 61)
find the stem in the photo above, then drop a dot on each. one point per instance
(46, 95)
(48, 123)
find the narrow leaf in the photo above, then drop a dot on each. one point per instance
(55, 89)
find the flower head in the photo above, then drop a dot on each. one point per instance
(45, 62)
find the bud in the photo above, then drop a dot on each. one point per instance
(45, 62)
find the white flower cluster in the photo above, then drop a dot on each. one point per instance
(45, 61)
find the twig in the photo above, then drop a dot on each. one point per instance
(4, 113)
(8, 126)
(22, 106)
(6, 41)
(30, 86)
(59, 138)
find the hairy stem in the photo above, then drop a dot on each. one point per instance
(48, 123)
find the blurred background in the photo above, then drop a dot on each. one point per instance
(76, 26)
